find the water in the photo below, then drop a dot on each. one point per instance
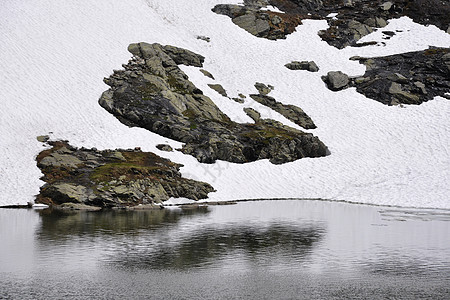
(255, 250)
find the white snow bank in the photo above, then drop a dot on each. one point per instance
(55, 54)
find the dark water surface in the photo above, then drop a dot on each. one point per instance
(253, 250)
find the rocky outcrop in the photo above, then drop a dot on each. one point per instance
(355, 18)
(290, 112)
(88, 178)
(152, 92)
(260, 23)
(407, 78)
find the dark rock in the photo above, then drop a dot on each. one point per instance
(207, 74)
(302, 65)
(111, 178)
(290, 112)
(355, 18)
(163, 100)
(218, 88)
(408, 78)
(203, 38)
(164, 147)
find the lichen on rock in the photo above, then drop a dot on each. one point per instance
(111, 178)
(154, 93)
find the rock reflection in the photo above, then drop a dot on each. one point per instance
(59, 224)
(279, 244)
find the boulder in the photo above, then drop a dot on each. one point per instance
(336, 80)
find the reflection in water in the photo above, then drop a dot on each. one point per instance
(277, 243)
(151, 239)
(253, 250)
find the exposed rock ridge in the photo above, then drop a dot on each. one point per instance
(152, 92)
(407, 78)
(111, 178)
(356, 18)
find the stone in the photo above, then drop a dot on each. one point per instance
(255, 115)
(207, 74)
(263, 89)
(303, 65)
(43, 138)
(290, 112)
(218, 88)
(164, 147)
(337, 80)
(397, 77)
(113, 178)
(386, 5)
(173, 107)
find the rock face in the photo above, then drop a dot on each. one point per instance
(152, 92)
(111, 178)
(355, 19)
(408, 78)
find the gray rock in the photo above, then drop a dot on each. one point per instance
(290, 112)
(337, 80)
(386, 5)
(43, 138)
(397, 77)
(303, 65)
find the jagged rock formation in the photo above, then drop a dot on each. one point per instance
(290, 112)
(356, 18)
(87, 178)
(260, 23)
(408, 78)
(152, 92)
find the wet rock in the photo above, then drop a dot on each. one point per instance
(111, 178)
(302, 65)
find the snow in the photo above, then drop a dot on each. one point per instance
(54, 55)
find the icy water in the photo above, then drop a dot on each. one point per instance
(298, 249)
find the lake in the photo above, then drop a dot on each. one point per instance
(290, 249)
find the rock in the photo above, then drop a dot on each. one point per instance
(427, 74)
(173, 107)
(207, 74)
(42, 138)
(112, 178)
(255, 115)
(397, 77)
(252, 24)
(290, 112)
(238, 100)
(336, 80)
(164, 147)
(386, 5)
(263, 89)
(218, 88)
(203, 38)
(302, 65)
